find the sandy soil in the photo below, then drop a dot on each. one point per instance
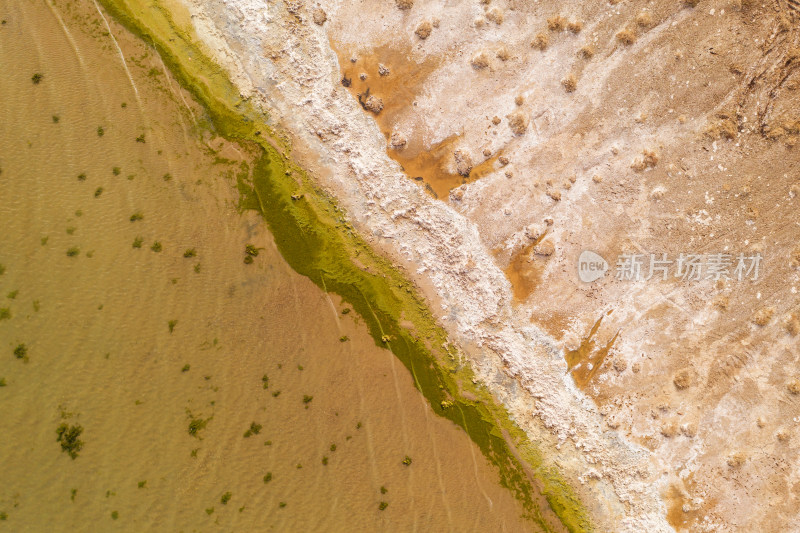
(498, 140)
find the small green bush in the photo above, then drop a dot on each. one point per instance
(69, 438)
(100, 131)
(156, 247)
(136, 216)
(137, 242)
(73, 251)
(37, 78)
(191, 252)
(225, 498)
(21, 351)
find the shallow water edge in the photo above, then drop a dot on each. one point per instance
(314, 237)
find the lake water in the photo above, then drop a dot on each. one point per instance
(213, 394)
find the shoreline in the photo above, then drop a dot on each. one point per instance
(405, 224)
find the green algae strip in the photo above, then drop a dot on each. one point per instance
(314, 237)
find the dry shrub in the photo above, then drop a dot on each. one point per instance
(683, 379)
(404, 4)
(502, 54)
(495, 15)
(793, 386)
(691, 3)
(540, 41)
(518, 122)
(424, 30)
(586, 52)
(649, 159)
(644, 19)
(763, 316)
(575, 26)
(737, 459)
(626, 36)
(570, 83)
(556, 23)
(725, 127)
(793, 324)
(795, 257)
(480, 61)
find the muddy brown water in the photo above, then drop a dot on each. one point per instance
(133, 343)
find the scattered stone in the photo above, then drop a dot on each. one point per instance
(496, 120)
(620, 364)
(397, 141)
(373, 104)
(502, 54)
(519, 100)
(503, 160)
(424, 30)
(597, 179)
(487, 152)
(689, 430)
(363, 76)
(463, 162)
(319, 16)
(509, 174)
(669, 429)
(794, 191)
(793, 386)
(518, 122)
(545, 248)
(534, 231)
(555, 194)
(782, 435)
(658, 192)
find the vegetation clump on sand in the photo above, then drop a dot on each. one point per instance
(317, 240)
(69, 438)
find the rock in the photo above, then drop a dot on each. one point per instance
(397, 141)
(463, 162)
(374, 104)
(545, 248)
(383, 70)
(319, 16)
